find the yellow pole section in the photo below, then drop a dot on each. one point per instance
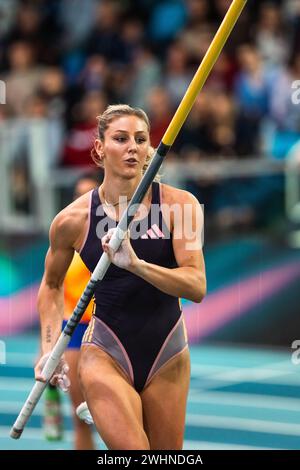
(203, 71)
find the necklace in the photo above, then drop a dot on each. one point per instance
(109, 204)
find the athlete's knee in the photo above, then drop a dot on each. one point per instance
(130, 441)
(137, 445)
(166, 441)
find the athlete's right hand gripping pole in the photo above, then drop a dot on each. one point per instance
(119, 235)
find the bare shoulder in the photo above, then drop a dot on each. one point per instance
(179, 207)
(172, 195)
(68, 226)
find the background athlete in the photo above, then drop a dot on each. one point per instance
(75, 281)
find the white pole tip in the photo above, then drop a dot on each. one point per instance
(15, 433)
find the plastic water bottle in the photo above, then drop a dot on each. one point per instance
(53, 420)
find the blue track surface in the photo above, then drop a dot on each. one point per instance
(239, 399)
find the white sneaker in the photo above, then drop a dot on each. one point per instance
(84, 414)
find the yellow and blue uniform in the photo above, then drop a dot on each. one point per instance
(75, 282)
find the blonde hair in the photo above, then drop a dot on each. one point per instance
(112, 112)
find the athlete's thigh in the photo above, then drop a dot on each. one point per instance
(164, 403)
(72, 358)
(113, 402)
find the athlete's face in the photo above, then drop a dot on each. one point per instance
(125, 146)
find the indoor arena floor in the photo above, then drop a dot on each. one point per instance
(240, 398)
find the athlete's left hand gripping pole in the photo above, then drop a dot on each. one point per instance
(119, 235)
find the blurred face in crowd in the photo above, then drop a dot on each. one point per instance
(20, 56)
(158, 103)
(248, 58)
(221, 108)
(223, 135)
(133, 30)
(97, 65)
(197, 9)
(270, 18)
(53, 81)
(29, 19)
(177, 59)
(125, 147)
(201, 109)
(223, 6)
(107, 14)
(93, 104)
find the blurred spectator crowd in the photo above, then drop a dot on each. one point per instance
(65, 60)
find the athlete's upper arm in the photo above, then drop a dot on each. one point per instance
(61, 251)
(188, 231)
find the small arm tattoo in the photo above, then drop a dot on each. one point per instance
(48, 334)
